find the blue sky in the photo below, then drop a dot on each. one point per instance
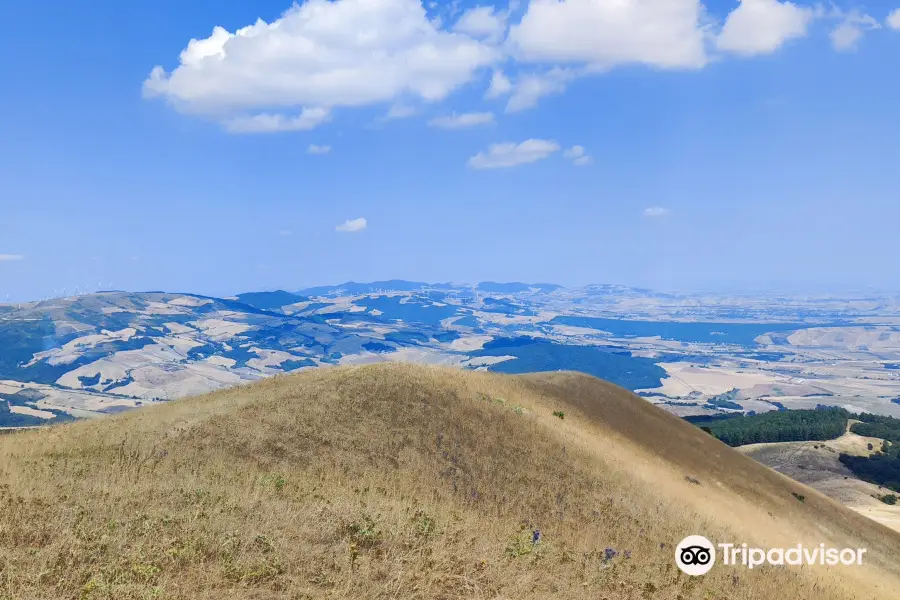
(716, 149)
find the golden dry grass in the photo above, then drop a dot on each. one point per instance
(401, 481)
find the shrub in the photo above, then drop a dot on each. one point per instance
(559, 413)
(365, 532)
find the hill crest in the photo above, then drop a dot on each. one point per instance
(407, 481)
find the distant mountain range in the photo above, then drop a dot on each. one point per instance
(400, 285)
(87, 355)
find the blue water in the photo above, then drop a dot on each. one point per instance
(540, 355)
(378, 347)
(708, 333)
(412, 311)
(290, 365)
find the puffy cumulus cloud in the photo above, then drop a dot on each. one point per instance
(316, 149)
(851, 29)
(11, 257)
(531, 87)
(308, 119)
(763, 26)
(484, 22)
(352, 225)
(322, 54)
(455, 121)
(510, 154)
(655, 212)
(893, 19)
(607, 33)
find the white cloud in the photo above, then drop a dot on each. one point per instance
(455, 121)
(851, 29)
(314, 149)
(656, 212)
(308, 119)
(321, 54)
(284, 233)
(530, 88)
(510, 154)
(762, 26)
(893, 19)
(604, 34)
(352, 226)
(500, 85)
(574, 152)
(11, 257)
(578, 156)
(401, 111)
(482, 22)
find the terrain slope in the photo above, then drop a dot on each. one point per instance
(818, 465)
(401, 481)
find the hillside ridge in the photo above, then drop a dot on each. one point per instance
(394, 480)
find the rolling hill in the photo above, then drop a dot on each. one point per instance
(402, 481)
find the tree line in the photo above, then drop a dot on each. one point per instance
(822, 423)
(883, 467)
(819, 424)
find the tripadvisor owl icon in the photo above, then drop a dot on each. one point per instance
(695, 555)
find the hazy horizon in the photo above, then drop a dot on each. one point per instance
(845, 292)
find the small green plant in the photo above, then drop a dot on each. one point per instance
(799, 497)
(559, 413)
(425, 523)
(519, 545)
(276, 480)
(365, 533)
(144, 572)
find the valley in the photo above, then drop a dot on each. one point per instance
(92, 354)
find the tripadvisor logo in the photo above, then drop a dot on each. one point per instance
(696, 555)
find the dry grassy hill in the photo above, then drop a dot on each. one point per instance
(398, 481)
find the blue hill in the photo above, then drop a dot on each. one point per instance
(513, 287)
(353, 288)
(270, 300)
